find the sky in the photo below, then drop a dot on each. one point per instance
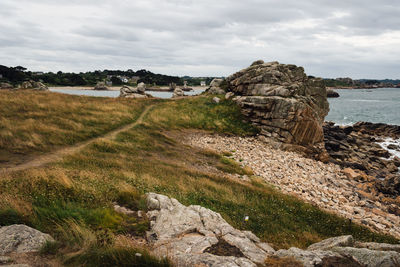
(341, 38)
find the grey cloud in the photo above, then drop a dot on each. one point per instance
(186, 37)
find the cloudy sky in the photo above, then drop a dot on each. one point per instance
(355, 38)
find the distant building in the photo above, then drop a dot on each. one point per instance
(109, 83)
(203, 83)
(37, 73)
(1, 76)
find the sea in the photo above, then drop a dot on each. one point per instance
(372, 105)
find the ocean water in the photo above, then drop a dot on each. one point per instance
(372, 105)
(116, 93)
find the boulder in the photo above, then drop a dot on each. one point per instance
(378, 246)
(21, 238)
(318, 258)
(131, 92)
(193, 235)
(340, 241)
(331, 93)
(178, 92)
(371, 258)
(185, 87)
(216, 100)
(215, 88)
(287, 105)
(6, 86)
(33, 85)
(101, 86)
(229, 95)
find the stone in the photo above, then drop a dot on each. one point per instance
(21, 238)
(378, 246)
(187, 233)
(371, 258)
(286, 104)
(33, 85)
(6, 86)
(131, 92)
(229, 95)
(101, 86)
(178, 92)
(332, 93)
(172, 86)
(216, 100)
(316, 257)
(327, 244)
(4, 259)
(215, 87)
(351, 174)
(185, 87)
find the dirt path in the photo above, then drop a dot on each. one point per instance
(59, 154)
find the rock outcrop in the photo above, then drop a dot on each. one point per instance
(101, 86)
(343, 251)
(138, 92)
(178, 92)
(360, 148)
(34, 85)
(6, 86)
(215, 87)
(332, 93)
(287, 105)
(185, 87)
(196, 235)
(21, 238)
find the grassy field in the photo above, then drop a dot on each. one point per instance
(32, 123)
(72, 199)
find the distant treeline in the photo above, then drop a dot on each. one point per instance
(19, 74)
(362, 83)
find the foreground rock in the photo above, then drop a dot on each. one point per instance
(21, 239)
(287, 105)
(196, 235)
(323, 185)
(138, 92)
(34, 85)
(332, 94)
(215, 87)
(101, 86)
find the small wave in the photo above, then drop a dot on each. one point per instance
(390, 141)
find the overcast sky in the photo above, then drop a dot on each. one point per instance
(355, 38)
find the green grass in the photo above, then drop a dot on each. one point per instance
(72, 199)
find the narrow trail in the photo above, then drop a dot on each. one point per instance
(59, 154)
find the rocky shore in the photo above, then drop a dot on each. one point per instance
(328, 186)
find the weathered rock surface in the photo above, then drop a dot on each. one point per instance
(215, 88)
(371, 258)
(187, 233)
(101, 86)
(327, 244)
(359, 150)
(216, 100)
(286, 104)
(332, 93)
(178, 92)
(6, 86)
(21, 238)
(34, 85)
(134, 92)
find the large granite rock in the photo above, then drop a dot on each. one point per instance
(101, 86)
(215, 87)
(286, 104)
(196, 235)
(130, 92)
(178, 92)
(332, 93)
(21, 238)
(33, 85)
